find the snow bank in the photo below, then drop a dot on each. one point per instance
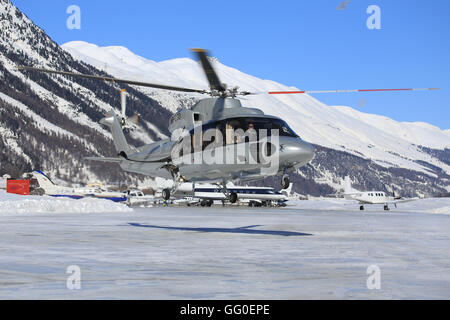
(11, 203)
(431, 205)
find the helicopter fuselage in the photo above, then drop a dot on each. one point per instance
(219, 140)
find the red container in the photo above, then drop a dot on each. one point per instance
(21, 187)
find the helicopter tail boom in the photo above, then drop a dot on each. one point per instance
(120, 142)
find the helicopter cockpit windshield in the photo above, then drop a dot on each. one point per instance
(256, 126)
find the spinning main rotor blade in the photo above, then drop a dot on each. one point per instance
(131, 82)
(347, 91)
(210, 73)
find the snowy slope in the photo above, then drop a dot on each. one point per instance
(387, 142)
(51, 122)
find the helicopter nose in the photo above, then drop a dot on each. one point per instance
(308, 151)
(296, 151)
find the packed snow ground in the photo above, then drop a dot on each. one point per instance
(227, 253)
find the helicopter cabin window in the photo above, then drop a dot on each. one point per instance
(229, 133)
(254, 125)
(238, 130)
(196, 138)
(213, 135)
(197, 117)
(207, 134)
(234, 131)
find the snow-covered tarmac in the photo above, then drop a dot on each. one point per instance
(307, 251)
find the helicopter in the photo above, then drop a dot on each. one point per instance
(216, 140)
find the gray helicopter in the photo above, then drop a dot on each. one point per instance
(217, 140)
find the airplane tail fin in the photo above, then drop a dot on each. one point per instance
(287, 192)
(347, 185)
(44, 182)
(120, 142)
(395, 195)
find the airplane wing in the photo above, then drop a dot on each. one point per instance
(404, 200)
(103, 159)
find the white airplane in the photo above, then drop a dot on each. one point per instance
(254, 196)
(371, 197)
(48, 187)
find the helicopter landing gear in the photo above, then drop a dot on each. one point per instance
(166, 194)
(177, 179)
(285, 182)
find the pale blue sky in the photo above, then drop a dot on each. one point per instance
(307, 44)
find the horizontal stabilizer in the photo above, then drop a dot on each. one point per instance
(103, 159)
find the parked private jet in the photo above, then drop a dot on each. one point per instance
(48, 187)
(254, 196)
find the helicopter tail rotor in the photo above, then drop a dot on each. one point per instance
(125, 121)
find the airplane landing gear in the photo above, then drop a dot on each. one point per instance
(386, 207)
(206, 203)
(177, 179)
(285, 182)
(361, 208)
(233, 197)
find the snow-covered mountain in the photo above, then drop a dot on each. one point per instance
(342, 128)
(51, 122)
(383, 141)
